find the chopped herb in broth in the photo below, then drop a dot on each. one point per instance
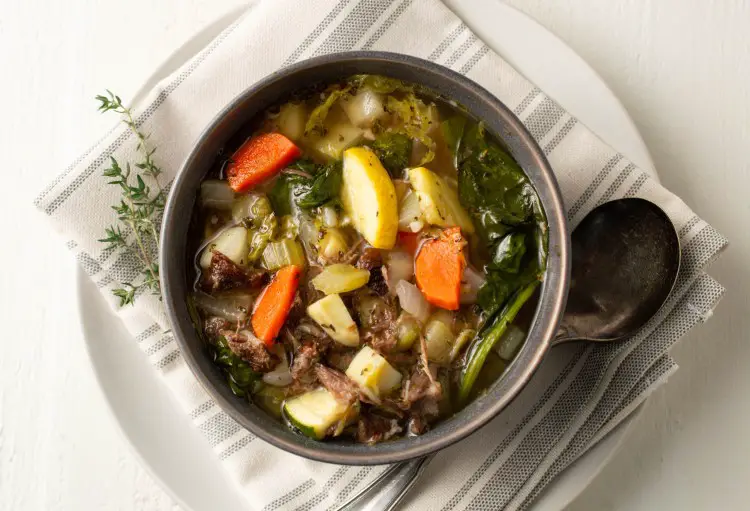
(362, 258)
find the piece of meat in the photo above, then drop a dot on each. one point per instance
(372, 428)
(307, 331)
(337, 384)
(372, 260)
(382, 330)
(369, 259)
(304, 359)
(340, 359)
(224, 274)
(251, 349)
(419, 387)
(421, 396)
(417, 424)
(212, 326)
(402, 359)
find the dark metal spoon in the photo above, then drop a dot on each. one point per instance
(626, 256)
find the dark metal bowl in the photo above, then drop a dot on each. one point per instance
(481, 104)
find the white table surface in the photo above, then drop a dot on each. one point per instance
(681, 68)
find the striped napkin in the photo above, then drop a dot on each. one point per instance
(581, 391)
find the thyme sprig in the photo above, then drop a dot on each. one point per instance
(140, 207)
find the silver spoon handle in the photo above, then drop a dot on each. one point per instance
(386, 495)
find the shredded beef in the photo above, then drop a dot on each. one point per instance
(382, 329)
(337, 384)
(420, 387)
(252, 350)
(339, 359)
(371, 260)
(421, 397)
(372, 428)
(307, 355)
(224, 274)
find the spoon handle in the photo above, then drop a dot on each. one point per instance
(386, 495)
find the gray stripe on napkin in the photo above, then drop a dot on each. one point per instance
(40, 198)
(350, 486)
(543, 118)
(600, 177)
(315, 33)
(616, 184)
(689, 225)
(168, 359)
(285, 499)
(88, 263)
(388, 23)
(458, 53)
(201, 409)
(525, 102)
(237, 446)
(219, 427)
(364, 15)
(160, 345)
(320, 496)
(560, 135)
(637, 185)
(154, 328)
(437, 52)
(469, 65)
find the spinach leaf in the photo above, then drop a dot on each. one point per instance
(324, 187)
(281, 193)
(393, 151)
(305, 165)
(240, 376)
(508, 253)
(510, 221)
(321, 187)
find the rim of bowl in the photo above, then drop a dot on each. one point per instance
(501, 121)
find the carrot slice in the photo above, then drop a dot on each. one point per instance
(409, 241)
(439, 267)
(273, 304)
(258, 159)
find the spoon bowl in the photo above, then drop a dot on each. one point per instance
(625, 260)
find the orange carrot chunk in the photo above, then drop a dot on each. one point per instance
(258, 159)
(273, 304)
(439, 267)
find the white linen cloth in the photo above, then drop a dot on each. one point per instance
(581, 391)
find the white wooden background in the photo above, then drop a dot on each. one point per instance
(682, 69)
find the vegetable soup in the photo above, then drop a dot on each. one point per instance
(366, 260)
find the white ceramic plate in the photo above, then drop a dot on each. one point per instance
(164, 438)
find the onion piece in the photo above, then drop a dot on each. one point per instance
(412, 300)
(330, 217)
(281, 376)
(470, 283)
(216, 193)
(233, 307)
(410, 213)
(364, 108)
(400, 266)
